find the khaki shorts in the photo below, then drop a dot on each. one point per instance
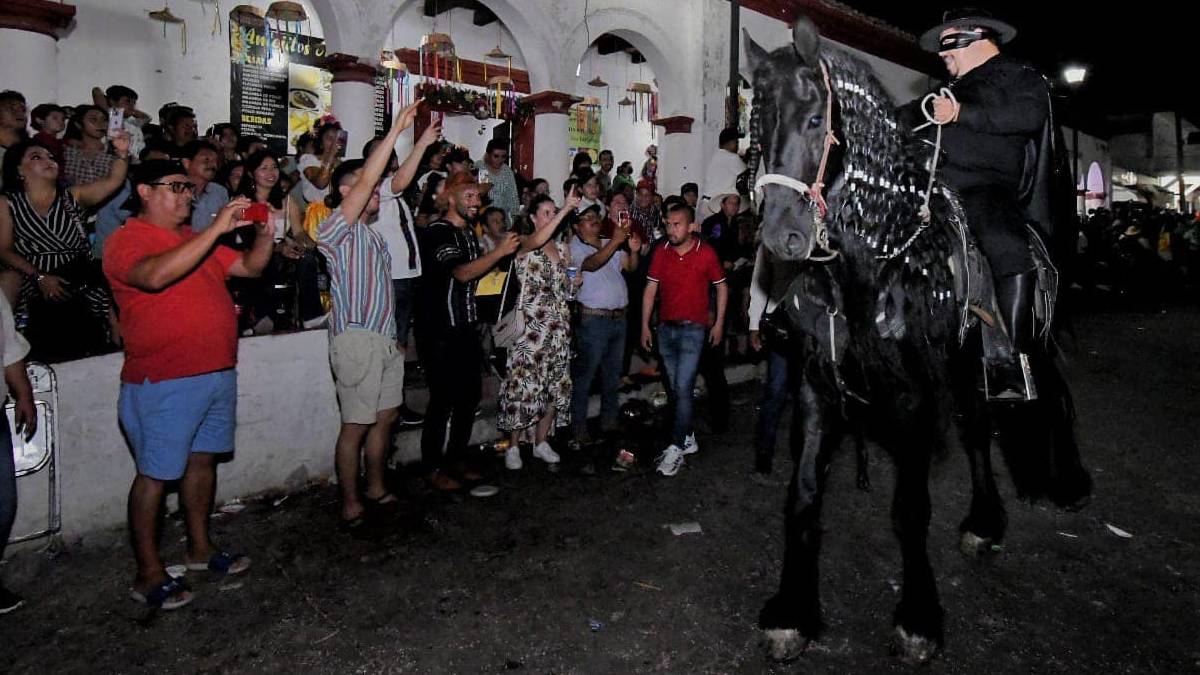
(368, 372)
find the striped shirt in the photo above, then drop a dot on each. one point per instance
(360, 276)
(504, 192)
(446, 302)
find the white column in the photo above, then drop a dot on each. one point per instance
(354, 106)
(30, 66)
(550, 158)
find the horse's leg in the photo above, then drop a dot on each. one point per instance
(918, 619)
(1068, 485)
(986, 522)
(792, 616)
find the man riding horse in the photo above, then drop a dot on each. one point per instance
(996, 131)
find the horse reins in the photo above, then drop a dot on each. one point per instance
(925, 213)
(815, 192)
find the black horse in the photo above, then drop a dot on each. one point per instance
(874, 324)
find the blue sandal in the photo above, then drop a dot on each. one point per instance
(170, 594)
(225, 564)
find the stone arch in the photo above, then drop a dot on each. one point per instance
(641, 31)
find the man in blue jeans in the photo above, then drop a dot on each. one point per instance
(603, 299)
(682, 272)
(13, 348)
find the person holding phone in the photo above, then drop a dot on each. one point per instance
(317, 168)
(603, 301)
(14, 348)
(178, 401)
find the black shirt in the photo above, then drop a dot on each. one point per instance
(1005, 104)
(443, 301)
(723, 235)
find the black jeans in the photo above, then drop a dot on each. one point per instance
(995, 218)
(8, 485)
(452, 360)
(712, 368)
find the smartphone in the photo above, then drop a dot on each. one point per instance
(116, 122)
(342, 138)
(623, 218)
(258, 212)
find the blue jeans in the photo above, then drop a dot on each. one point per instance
(680, 345)
(600, 341)
(8, 485)
(775, 396)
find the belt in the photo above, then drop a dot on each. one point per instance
(610, 313)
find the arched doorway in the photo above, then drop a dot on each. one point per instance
(1095, 189)
(614, 78)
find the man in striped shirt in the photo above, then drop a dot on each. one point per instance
(368, 369)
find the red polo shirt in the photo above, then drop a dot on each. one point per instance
(188, 328)
(684, 281)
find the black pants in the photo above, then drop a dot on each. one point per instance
(712, 368)
(994, 216)
(452, 362)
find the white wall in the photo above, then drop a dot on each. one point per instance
(471, 42)
(618, 132)
(113, 42)
(287, 423)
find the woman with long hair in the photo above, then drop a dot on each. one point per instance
(46, 252)
(536, 392)
(317, 168)
(85, 154)
(295, 252)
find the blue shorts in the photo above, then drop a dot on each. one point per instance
(168, 420)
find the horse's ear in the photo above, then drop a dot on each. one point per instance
(755, 55)
(806, 40)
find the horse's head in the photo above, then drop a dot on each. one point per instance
(790, 101)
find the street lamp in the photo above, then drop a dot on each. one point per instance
(1074, 75)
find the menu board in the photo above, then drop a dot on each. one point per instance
(277, 89)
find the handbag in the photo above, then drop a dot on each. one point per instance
(511, 325)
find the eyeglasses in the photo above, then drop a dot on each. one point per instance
(178, 186)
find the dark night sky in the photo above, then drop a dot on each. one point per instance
(1142, 57)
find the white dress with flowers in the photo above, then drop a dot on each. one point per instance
(539, 363)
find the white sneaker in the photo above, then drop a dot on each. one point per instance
(512, 458)
(670, 461)
(689, 445)
(544, 452)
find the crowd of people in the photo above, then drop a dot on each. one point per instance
(1144, 254)
(121, 231)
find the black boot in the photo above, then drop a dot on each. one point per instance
(1012, 379)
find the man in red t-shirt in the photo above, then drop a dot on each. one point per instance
(682, 272)
(178, 384)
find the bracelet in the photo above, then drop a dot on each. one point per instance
(38, 277)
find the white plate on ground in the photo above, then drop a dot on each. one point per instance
(484, 491)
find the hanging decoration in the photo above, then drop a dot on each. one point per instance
(216, 27)
(587, 116)
(282, 16)
(165, 16)
(645, 102)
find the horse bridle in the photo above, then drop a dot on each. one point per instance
(815, 192)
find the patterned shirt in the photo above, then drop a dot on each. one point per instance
(81, 169)
(504, 191)
(360, 276)
(446, 302)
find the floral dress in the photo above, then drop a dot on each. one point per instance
(539, 364)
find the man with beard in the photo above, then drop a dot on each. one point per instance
(447, 338)
(368, 367)
(201, 161)
(681, 274)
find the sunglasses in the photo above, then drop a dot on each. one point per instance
(178, 186)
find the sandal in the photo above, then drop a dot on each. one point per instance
(384, 500)
(170, 594)
(222, 563)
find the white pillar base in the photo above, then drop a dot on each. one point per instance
(31, 66)
(550, 158)
(354, 106)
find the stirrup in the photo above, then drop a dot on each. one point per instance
(1009, 382)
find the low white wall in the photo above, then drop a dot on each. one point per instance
(287, 425)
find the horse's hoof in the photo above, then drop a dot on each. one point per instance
(784, 644)
(972, 545)
(912, 649)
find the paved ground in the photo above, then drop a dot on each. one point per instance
(562, 573)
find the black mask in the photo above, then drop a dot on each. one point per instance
(962, 39)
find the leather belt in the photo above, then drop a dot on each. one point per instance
(609, 313)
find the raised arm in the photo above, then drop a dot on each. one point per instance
(480, 266)
(601, 257)
(156, 272)
(95, 193)
(542, 235)
(408, 169)
(373, 168)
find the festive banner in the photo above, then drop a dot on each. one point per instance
(584, 131)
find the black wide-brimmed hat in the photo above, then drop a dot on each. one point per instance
(966, 17)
